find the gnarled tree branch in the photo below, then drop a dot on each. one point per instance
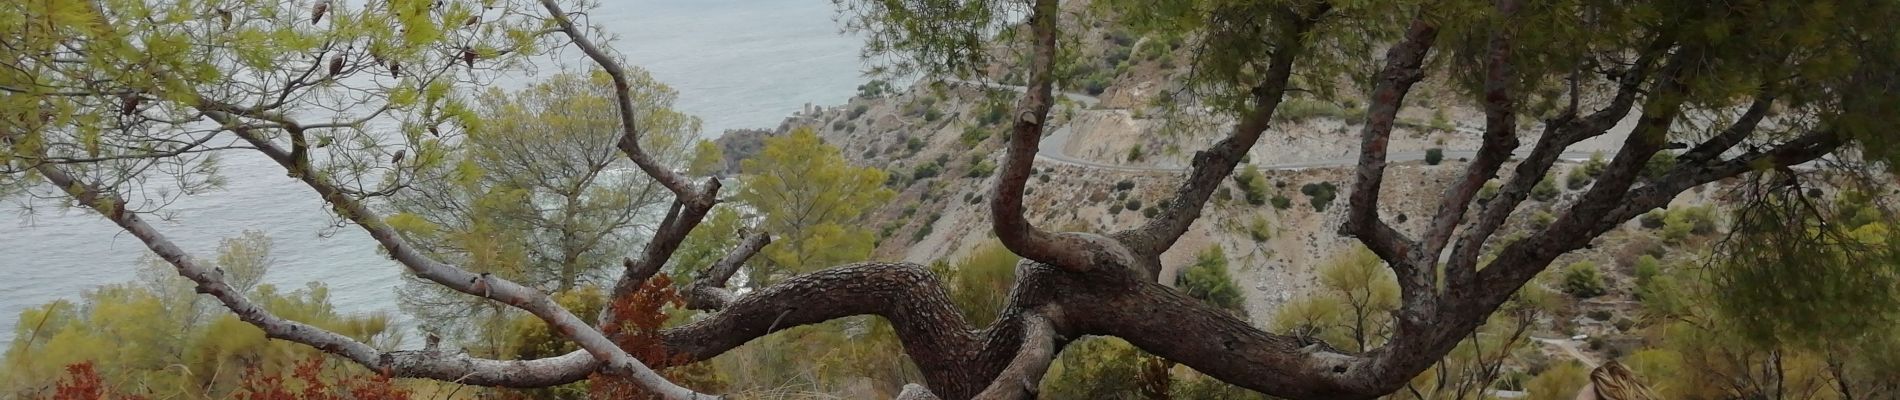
(1218, 161)
(617, 360)
(1073, 251)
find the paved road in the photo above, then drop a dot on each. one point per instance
(1051, 148)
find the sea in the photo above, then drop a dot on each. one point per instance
(736, 64)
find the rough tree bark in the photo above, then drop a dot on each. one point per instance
(1076, 283)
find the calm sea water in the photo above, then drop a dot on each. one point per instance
(736, 64)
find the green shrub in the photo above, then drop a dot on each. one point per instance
(1134, 154)
(1680, 224)
(1594, 167)
(1488, 191)
(858, 111)
(1207, 280)
(1301, 109)
(1125, 185)
(1652, 219)
(1542, 219)
(973, 135)
(1281, 202)
(1577, 179)
(1115, 209)
(982, 169)
(993, 113)
(1259, 230)
(1150, 212)
(913, 145)
(926, 171)
(932, 115)
(1546, 189)
(1434, 156)
(1134, 204)
(1253, 185)
(1320, 194)
(1583, 280)
(924, 230)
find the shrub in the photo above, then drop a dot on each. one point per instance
(1301, 109)
(982, 169)
(926, 171)
(993, 113)
(1134, 154)
(1583, 280)
(1253, 184)
(1624, 324)
(924, 230)
(1115, 209)
(1044, 178)
(1150, 212)
(1542, 219)
(1488, 191)
(973, 135)
(913, 145)
(1595, 166)
(932, 115)
(1546, 189)
(857, 111)
(1652, 219)
(1134, 204)
(1256, 197)
(1125, 185)
(838, 126)
(1434, 156)
(1207, 280)
(1320, 194)
(1259, 230)
(1281, 202)
(1577, 179)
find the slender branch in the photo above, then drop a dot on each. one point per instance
(1500, 138)
(1218, 161)
(483, 285)
(435, 365)
(1404, 67)
(1558, 134)
(708, 291)
(1733, 135)
(630, 137)
(1023, 377)
(1658, 193)
(1068, 250)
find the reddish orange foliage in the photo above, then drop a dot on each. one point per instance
(308, 376)
(642, 314)
(82, 382)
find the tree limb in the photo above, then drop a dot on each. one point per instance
(1500, 138)
(451, 367)
(617, 360)
(1218, 161)
(708, 291)
(1022, 379)
(1403, 68)
(1072, 251)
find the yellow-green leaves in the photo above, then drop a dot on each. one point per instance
(811, 199)
(419, 27)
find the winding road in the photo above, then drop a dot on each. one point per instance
(1051, 148)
